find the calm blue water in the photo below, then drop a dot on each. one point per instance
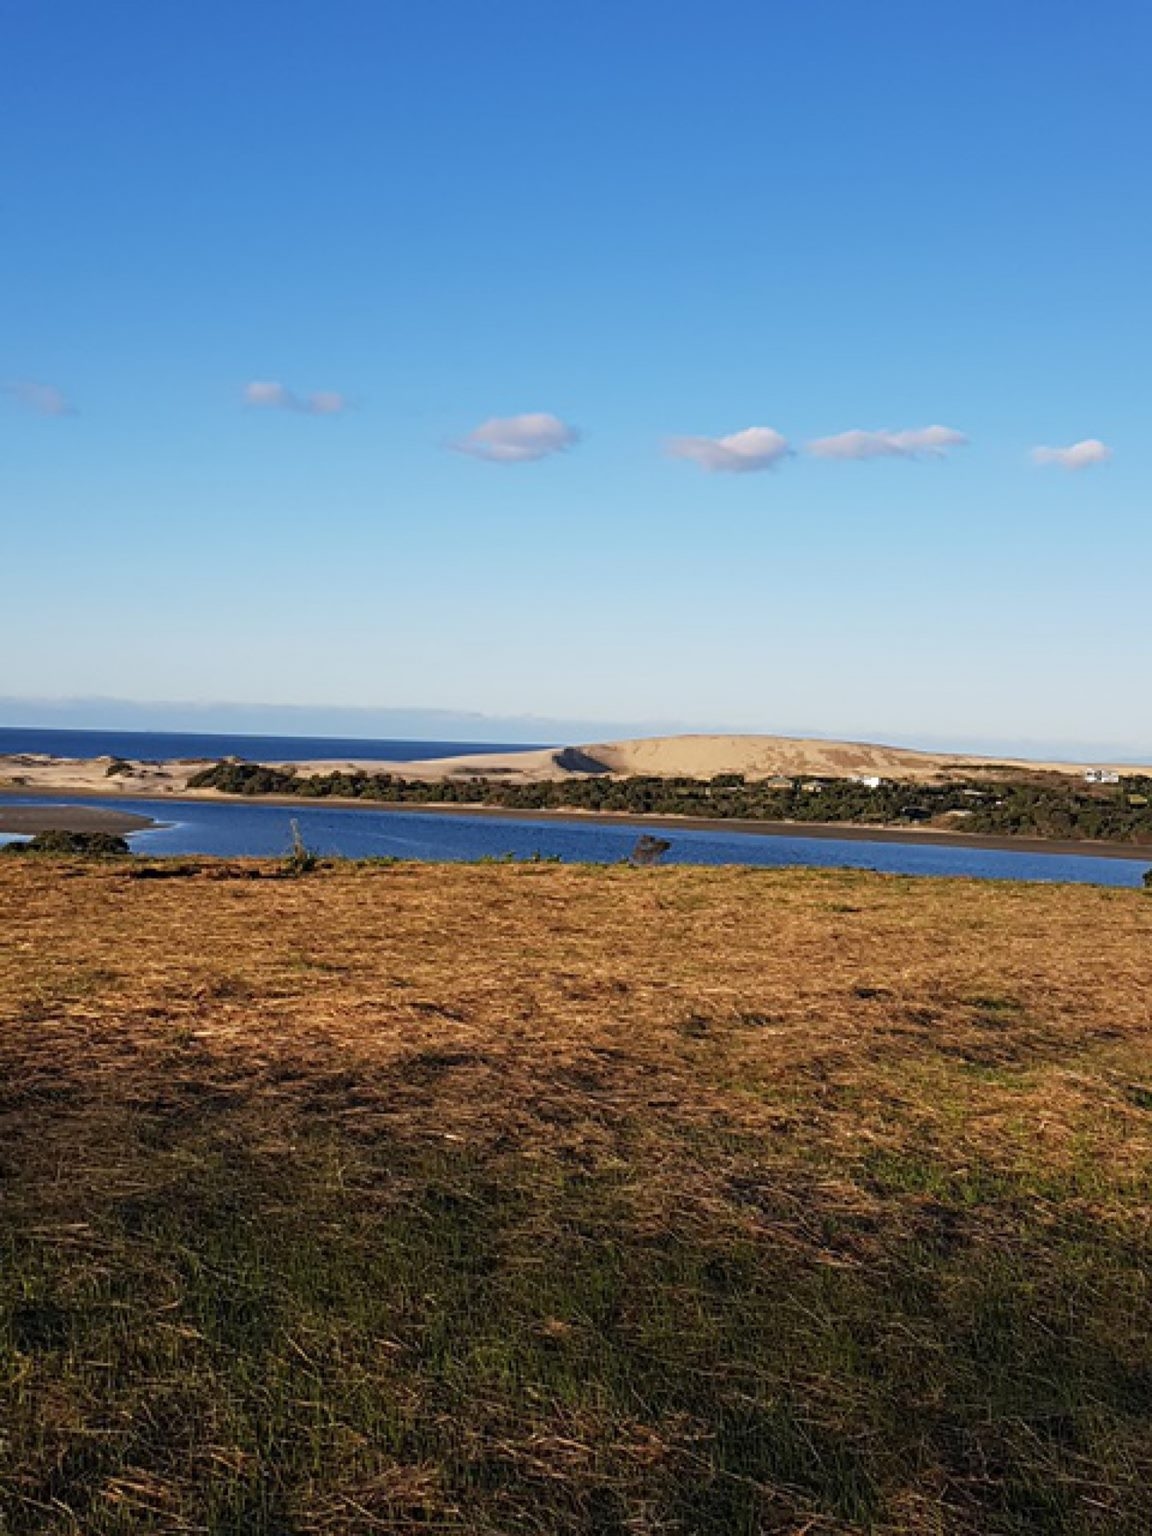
(240, 829)
(162, 746)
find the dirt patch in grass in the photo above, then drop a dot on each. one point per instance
(546, 1199)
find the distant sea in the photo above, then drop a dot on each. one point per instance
(163, 746)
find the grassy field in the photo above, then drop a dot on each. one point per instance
(542, 1199)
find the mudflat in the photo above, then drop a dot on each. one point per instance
(70, 818)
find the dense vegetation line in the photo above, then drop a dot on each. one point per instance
(1042, 806)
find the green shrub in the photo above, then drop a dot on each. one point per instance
(85, 844)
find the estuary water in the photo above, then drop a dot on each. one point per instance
(237, 829)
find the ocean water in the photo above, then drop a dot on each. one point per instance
(159, 746)
(237, 829)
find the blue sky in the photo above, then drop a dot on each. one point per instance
(658, 224)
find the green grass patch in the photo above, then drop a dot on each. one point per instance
(404, 1334)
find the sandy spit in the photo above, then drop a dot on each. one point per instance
(30, 819)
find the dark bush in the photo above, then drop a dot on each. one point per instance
(649, 850)
(85, 844)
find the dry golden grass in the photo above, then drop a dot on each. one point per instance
(538, 1198)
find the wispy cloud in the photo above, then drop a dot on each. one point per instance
(1080, 455)
(518, 439)
(44, 399)
(740, 453)
(909, 443)
(270, 396)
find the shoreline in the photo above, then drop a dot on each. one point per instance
(826, 831)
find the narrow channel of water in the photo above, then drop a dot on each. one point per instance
(233, 829)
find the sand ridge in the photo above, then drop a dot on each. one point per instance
(704, 756)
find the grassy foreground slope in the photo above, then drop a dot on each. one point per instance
(551, 1199)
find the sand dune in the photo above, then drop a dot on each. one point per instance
(763, 757)
(518, 767)
(33, 772)
(700, 757)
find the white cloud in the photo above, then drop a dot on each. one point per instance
(270, 396)
(1076, 456)
(518, 439)
(274, 395)
(910, 443)
(327, 402)
(44, 399)
(740, 453)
